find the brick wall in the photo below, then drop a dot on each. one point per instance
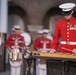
(36, 9)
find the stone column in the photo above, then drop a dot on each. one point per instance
(3, 16)
(3, 29)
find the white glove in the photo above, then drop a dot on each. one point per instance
(74, 51)
(40, 50)
(52, 51)
(48, 49)
(27, 55)
(44, 51)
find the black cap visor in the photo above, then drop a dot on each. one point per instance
(66, 13)
(17, 29)
(45, 33)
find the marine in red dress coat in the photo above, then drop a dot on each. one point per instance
(42, 44)
(39, 42)
(36, 42)
(15, 40)
(66, 30)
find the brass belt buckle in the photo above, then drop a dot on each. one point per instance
(67, 42)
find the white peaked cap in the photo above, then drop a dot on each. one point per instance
(13, 29)
(67, 6)
(17, 27)
(45, 31)
(40, 32)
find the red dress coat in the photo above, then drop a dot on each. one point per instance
(66, 30)
(38, 43)
(10, 42)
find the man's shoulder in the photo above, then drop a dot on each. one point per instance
(21, 36)
(11, 35)
(60, 22)
(74, 18)
(48, 39)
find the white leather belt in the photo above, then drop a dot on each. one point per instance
(68, 42)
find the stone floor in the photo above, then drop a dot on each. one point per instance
(7, 72)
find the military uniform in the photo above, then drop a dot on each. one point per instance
(10, 42)
(66, 30)
(38, 45)
(42, 45)
(14, 43)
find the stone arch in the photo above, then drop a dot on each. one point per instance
(16, 10)
(36, 9)
(49, 13)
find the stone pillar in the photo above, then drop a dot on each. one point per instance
(3, 29)
(3, 16)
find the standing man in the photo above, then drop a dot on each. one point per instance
(43, 45)
(36, 44)
(14, 44)
(66, 30)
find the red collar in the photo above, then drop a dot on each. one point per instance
(44, 39)
(16, 35)
(70, 19)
